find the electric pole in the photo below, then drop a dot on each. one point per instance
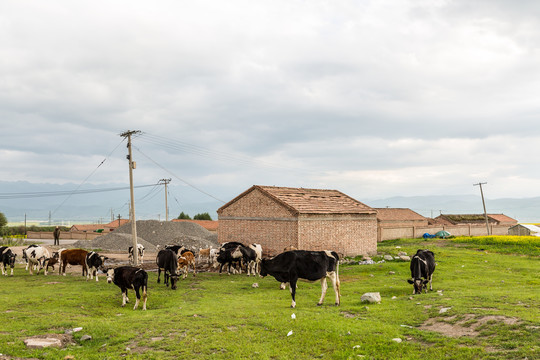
(484, 204)
(132, 166)
(165, 182)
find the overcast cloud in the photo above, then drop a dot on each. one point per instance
(373, 98)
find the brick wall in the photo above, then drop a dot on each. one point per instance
(350, 235)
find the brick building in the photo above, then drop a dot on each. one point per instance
(309, 219)
(392, 221)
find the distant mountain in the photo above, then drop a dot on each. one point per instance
(525, 210)
(98, 206)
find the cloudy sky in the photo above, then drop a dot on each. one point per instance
(373, 98)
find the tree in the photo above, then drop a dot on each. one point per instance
(203, 216)
(3, 220)
(183, 216)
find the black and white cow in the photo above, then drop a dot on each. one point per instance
(25, 257)
(422, 268)
(301, 264)
(140, 254)
(94, 262)
(37, 256)
(129, 277)
(249, 258)
(232, 257)
(167, 262)
(7, 258)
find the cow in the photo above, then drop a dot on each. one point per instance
(53, 260)
(129, 277)
(259, 251)
(204, 253)
(422, 268)
(249, 258)
(213, 256)
(72, 257)
(186, 260)
(310, 265)
(168, 263)
(7, 258)
(37, 257)
(229, 257)
(140, 253)
(94, 262)
(25, 257)
(176, 248)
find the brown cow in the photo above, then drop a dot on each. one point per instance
(72, 257)
(186, 260)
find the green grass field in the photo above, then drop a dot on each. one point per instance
(491, 290)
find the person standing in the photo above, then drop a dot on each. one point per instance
(56, 234)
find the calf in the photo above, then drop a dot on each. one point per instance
(310, 265)
(422, 268)
(38, 257)
(7, 258)
(186, 260)
(72, 257)
(53, 260)
(204, 253)
(167, 262)
(94, 262)
(140, 253)
(129, 277)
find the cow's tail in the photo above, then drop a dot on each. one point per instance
(336, 256)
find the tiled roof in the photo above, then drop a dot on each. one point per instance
(501, 218)
(399, 214)
(209, 225)
(93, 227)
(316, 201)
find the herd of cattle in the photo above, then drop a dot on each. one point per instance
(176, 260)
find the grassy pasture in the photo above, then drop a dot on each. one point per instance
(492, 293)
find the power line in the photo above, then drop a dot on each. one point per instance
(63, 193)
(179, 178)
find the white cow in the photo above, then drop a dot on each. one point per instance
(37, 256)
(140, 254)
(258, 250)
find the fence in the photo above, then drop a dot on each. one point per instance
(408, 232)
(70, 235)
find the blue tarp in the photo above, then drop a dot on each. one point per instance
(428, 236)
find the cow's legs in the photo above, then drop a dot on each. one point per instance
(124, 297)
(292, 287)
(334, 278)
(324, 287)
(138, 295)
(430, 279)
(2, 266)
(158, 274)
(144, 297)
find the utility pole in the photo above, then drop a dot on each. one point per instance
(165, 182)
(132, 166)
(484, 204)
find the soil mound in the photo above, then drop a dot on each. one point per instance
(153, 233)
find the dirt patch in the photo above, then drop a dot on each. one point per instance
(54, 340)
(467, 326)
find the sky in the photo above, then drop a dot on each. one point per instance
(372, 98)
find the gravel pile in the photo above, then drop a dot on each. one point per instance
(151, 233)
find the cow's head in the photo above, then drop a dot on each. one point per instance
(110, 275)
(174, 280)
(263, 272)
(418, 285)
(11, 260)
(55, 255)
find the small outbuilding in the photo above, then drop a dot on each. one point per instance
(524, 230)
(309, 219)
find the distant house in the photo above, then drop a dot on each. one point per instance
(475, 219)
(394, 220)
(210, 225)
(524, 230)
(309, 219)
(105, 228)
